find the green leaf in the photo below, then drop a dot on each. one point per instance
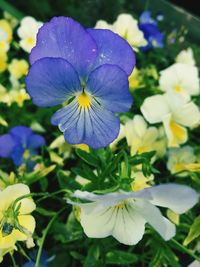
(118, 257)
(92, 256)
(194, 231)
(88, 157)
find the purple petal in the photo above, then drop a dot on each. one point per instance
(21, 134)
(94, 126)
(36, 141)
(112, 49)
(6, 145)
(109, 85)
(65, 38)
(51, 81)
(145, 17)
(17, 155)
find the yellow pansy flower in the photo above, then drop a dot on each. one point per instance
(16, 223)
(5, 27)
(134, 79)
(3, 61)
(19, 96)
(140, 181)
(5, 35)
(18, 68)
(182, 160)
(5, 251)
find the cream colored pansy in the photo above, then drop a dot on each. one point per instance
(186, 57)
(127, 27)
(140, 181)
(102, 24)
(5, 35)
(139, 136)
(181, 79)
(120, 136)
(174, 113)
(27, 32)
(16, 223)
(123, 215)
(182, 160)
(18, 68)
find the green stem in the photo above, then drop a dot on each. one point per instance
(45, 232)
(5, 6)
(13, 261)
(185, 250)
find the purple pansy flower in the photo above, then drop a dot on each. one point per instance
(20, 145)
(151, 31)
(86, 71)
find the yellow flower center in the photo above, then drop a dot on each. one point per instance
(120, 205)
(84, 100)
(30, 41)
(26, 154)
(178, 88)
(179, 133)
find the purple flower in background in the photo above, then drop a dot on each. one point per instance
(151, 31)
(44, 259)
(20, 145)
(86, 71)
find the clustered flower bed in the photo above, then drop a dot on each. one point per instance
(99, 154)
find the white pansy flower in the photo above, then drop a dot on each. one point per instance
(123, 215)
(127, 27)
(27, 32)
(182, 159)
(120, 136)
(139, 136)
(175, 114)
(186, 57)
(102, 24)
(181, 79)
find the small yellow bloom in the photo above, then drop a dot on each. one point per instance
(182, 160)
(5, 251)
(19, 96)
(6, 28)
(18, 68)
(134, 79)
(16, 223)
(3, 61)
(140, 181)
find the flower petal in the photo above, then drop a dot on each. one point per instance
(6, 145)
(11, 193)
(36, 141)
(154, 217)
(176, 134)
(188, 115)
(65, 38)
(112, 49)
(109, 85)
(129, 225)
(154, 108)
(112, 198)
(21, 134)
(51, 81)
(94, 126)
(178, 198)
